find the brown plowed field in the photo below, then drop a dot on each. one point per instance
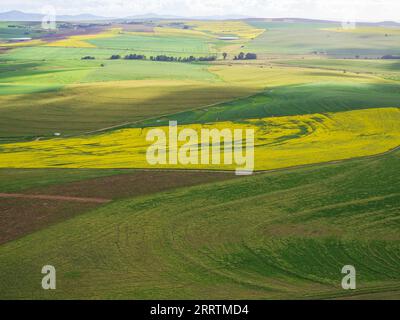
(132, 185)
(34, 209)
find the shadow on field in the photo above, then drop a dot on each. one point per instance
(85, 108)
(292, 100)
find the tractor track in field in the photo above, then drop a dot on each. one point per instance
(53, 197)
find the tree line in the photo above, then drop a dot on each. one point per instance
(163, 57)
(390, 57)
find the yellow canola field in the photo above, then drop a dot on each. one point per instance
(279, 142)
(80, 41)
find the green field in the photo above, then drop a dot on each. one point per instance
(190, 244)
(295, 100)
(10, 30)
(192, 233)
(155, 44)
(305, 39)
(20, 180)
(40, 76)
(385, 68)
(88, 107)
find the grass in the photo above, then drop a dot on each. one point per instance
(83, 41)
(384, 68)
(266, 75)
(40, 54)
(293, 100)
(154, 92)
(11, 30)
(291, 38)
(51, 80)
(40, 76)
(190, 244)
(227, 28)
(168, 31)
(29, 43)
(142, 70)
(166, 41)
(155, 45)
(30, 213)
(23, 72)
(368, 30)
(85, 107)
(291, 231)
(20, 180)
(279, 142)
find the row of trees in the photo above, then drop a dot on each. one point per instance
(135, 57)
(247, 56)
(389, 57)
(129, 57)
(163, 58)
(180, 59)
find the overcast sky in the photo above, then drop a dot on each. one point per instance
(359, 10)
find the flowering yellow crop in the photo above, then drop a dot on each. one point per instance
(279, 142)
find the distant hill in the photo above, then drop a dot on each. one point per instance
(82, 17)
(20, 16)
(297, 20)
(23, 16)
(152, 16)
(388, 24)
(16, 15)
(223, 17)
(169, 17)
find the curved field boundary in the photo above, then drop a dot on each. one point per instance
(50, 197)
(303, 166)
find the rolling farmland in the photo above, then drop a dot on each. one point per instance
(279, 142)
(77, 191)
(265, 248)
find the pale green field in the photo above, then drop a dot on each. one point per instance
(87, 107)
(150, 45)
(388, 69)
(288, 39)
(42, 76)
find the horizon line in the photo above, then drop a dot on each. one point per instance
(213, 17)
